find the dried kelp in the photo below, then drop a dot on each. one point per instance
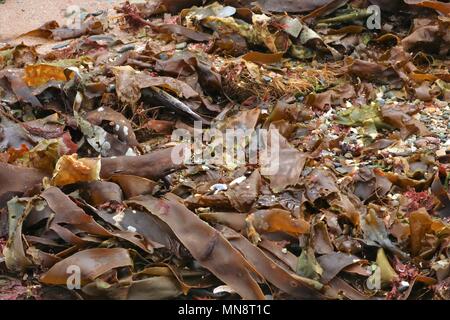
(231, 149)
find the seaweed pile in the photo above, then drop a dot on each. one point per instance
(356, 92)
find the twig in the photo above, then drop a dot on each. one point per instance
(160, 96)
(348, 17)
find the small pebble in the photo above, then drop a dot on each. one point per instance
(238, 181)
(404, 285)
(218, 187)
(181, 45)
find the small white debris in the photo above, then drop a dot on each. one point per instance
(73, 69)
(395, 196)
(238, 180)
(373, 135)
(101, 109)
(106, 145)
(78, 100)
(404, 285)
(131, 229)
(218, 187)
(40, 206)
(117, 127)
(380, 94)
(441, 152)
(172, 144)
(119, 217)
(223, 288)
(329, 114)
(284, 250)
(130, 153)
(442, 263)
(125, 130)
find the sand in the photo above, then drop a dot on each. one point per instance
(20, 16)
